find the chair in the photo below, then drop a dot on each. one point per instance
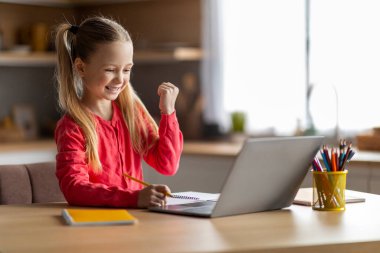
(29, 183)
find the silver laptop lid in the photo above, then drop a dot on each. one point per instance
(266, 174)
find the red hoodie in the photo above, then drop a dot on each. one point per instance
(81, 186)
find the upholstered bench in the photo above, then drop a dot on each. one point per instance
(29, 183)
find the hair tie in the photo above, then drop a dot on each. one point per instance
(74, 29)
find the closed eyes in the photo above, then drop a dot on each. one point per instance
(113, 70)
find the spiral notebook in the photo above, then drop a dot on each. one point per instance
(96, 217)
(191, 197)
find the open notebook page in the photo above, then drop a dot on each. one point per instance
(202, 196)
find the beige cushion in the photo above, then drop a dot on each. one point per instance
(15, 185)
(44, 183)
(29, 183)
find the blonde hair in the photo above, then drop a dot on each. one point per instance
(81, 41)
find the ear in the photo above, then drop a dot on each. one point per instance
(79, 66)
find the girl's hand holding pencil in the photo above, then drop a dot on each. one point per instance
(154, 194)
(151, 195)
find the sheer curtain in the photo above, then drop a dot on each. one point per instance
(212, 44)
(262, 44)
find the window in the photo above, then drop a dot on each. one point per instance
(264, 62)
(266, 70)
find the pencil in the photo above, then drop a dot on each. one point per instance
(346, 156)
(143, 183)
(325, 161)
(325, 150)
(341, 157)
(333, 162)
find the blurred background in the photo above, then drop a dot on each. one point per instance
(244, 68)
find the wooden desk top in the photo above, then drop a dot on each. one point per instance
(40, 228)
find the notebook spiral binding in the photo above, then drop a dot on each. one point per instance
(183, 197)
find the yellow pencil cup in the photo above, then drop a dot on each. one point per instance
(329, 190)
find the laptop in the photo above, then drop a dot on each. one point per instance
(266, 175)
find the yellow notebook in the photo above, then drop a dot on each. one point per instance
(88, 217)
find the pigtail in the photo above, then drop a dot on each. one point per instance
(64, 72)
(69, 93)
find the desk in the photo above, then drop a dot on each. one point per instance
(40, 228)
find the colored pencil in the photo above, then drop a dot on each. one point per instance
(326, 151)
(325, 161)
(346, 156)
(333, 157)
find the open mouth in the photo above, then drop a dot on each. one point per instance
(113, 89)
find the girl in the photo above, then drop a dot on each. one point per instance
(106, 130)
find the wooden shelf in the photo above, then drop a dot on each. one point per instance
(26, 59)
(178, 54)
(141, 56)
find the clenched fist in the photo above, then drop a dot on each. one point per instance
(168, 93)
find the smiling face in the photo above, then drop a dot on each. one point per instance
(106, 72)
